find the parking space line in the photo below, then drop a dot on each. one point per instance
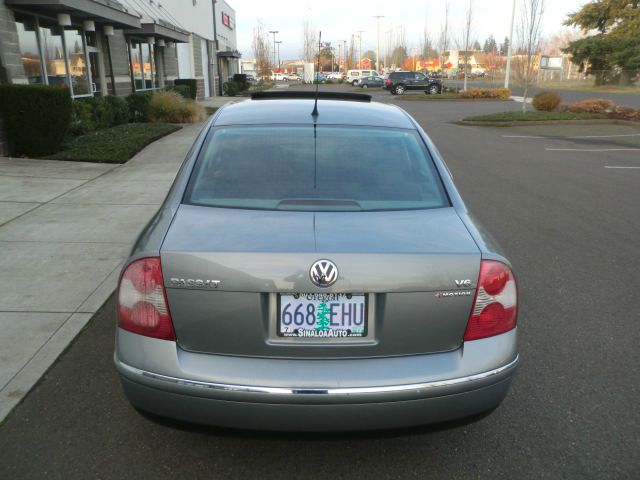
(593, 149)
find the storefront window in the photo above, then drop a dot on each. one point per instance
(29, 52)
(142, 66)
(77, 62)
(147, 62)
(136, 66)
(53, 54)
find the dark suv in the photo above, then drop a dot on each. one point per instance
(399, 82)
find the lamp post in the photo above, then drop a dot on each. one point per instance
(274, 46)
(360, 32)
(507, 72)
(378, 17)
(278, 44)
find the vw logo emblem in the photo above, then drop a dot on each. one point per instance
(323, 273)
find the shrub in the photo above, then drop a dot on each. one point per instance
(241, 80)
(171, 107)
(35, 117)
(498, 93)
(108, 111)
(625, 113)
(183, 90)
(138, 103)
(546, 101)
(189, 82)
(230, 88)
(81, 118)
(592, 105)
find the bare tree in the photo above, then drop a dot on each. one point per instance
(309, 40)
(444, 39)
(529, 38)
(261, 50)
(466, 41)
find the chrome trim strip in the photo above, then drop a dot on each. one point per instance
(319, 391)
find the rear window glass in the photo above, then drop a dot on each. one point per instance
(337, 168)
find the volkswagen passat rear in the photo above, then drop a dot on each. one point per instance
(315, 272)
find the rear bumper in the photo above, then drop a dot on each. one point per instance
(316, 395)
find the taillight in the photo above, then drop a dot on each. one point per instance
(388, 81)
(142, 300)
(496, 304)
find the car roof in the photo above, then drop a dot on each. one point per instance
(298, 111)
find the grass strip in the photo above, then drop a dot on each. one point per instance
(113, 145)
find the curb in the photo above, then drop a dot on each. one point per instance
(516, 123)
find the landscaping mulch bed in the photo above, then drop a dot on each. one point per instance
(113, 145)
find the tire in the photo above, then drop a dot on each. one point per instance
(434, 90)
(365, 86)
(400, 89)
(354, 83)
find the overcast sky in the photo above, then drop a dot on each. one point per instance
(339, 19)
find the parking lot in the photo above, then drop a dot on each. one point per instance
(563, 201)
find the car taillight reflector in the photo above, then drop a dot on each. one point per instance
(142, 301)
(496, 304)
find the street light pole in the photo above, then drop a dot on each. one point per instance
(378, 17)
(274, 46)
(507, 73)
(360, 32)
(278, 43)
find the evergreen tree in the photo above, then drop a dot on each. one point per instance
(476, 46)
(490, 45)
(504, 48)
(615, 46)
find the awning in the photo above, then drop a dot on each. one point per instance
(160, 29)
(106, 12)
(229, 53)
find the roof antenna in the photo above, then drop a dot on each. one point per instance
(316, 80)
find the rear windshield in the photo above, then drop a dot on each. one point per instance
(336, 168)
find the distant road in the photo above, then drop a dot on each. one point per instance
(628, 99)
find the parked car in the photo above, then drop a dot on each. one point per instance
(354, 75)
(319, 77)
(315, 291)
(251, 78)
(367, 82)
(281, 77)
(399, 82)
(294, 77)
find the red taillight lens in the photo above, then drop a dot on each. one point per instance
(142, 300)
(496, 304)
(388, 82)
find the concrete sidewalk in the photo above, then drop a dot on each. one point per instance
(65, 231)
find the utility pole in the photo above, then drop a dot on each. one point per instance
(274, 46)
(507, 73)
(387, 44)
(378, 17)
(360, 32)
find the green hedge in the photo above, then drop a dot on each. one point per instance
(189, 82)
(35, 117)
(138, 103)
(183, 90)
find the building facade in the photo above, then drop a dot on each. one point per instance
(226, 42)
(101, 47)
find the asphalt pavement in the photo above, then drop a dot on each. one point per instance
(569, 222)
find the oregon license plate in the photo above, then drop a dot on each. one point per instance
(322, 315)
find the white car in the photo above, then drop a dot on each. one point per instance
(335, 76)
(283, 77)
(294, 76)
(354, 75)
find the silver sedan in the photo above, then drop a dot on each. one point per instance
(314, 268)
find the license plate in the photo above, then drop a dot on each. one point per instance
(322, 315)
